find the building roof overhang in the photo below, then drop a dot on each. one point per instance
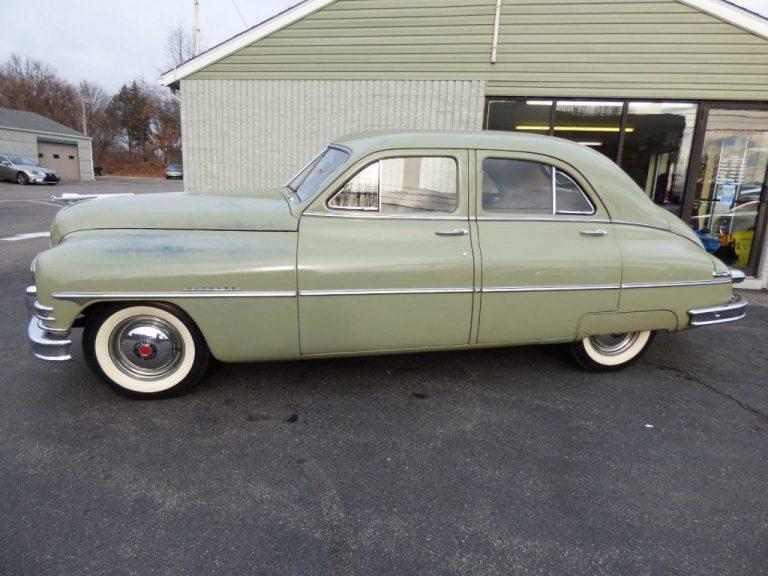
(720, 9)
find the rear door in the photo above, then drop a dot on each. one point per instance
(549, 255)
(385, 258)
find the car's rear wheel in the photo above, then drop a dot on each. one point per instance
(22, 178)
(608, 352)
(145, 351)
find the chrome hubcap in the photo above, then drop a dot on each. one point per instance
(613, 344)
(146, 347)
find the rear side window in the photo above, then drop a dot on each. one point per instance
(527, 187)
(411, 184)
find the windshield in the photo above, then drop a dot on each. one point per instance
(309, 180)
(19, 160)
(174, 166)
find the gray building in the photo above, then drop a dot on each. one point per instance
(674, 91)
(53, 145)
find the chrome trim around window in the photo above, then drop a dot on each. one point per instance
(83, 297)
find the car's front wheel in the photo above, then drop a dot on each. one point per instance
(608, 352)
(22, 178)
(145, 351)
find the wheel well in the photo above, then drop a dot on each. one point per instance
(94, 308)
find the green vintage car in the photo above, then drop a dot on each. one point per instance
(386, 242)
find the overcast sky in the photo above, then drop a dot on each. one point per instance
(111, 42)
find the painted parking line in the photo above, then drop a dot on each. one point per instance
(27, 236)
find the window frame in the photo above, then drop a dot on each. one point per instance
(584, 195)
(554, 169)
(377, 210)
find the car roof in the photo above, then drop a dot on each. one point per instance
(621, 196)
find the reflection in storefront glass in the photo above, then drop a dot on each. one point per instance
(730, 183)
(594, 123)
(657, 149)
(524, 115)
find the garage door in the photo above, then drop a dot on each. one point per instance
(60, 157)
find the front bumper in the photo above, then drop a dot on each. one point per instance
(47, 343)
(46, 178)
(734, 310)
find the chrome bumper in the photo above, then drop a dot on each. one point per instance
(47, 344)
(734, 310)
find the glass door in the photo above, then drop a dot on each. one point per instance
(729, 194)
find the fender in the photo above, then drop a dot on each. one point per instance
(238, 286)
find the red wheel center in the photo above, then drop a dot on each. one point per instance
(145, 350)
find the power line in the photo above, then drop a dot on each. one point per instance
(234, 3)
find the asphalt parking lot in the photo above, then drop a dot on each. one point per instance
(504, 461)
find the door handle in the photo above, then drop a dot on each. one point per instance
(454, 232)
(600, 232)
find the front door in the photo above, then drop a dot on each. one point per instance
(549, 255)
(728, 206)
(385, 257)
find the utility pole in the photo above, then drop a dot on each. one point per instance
(85, 121)
(197, 27)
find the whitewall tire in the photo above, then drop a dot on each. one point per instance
(607, 352)
(145, 351)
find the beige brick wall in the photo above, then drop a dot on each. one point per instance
(251, 134)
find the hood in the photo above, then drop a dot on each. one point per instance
(268, 211)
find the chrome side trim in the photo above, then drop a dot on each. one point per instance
(641, 224)
(674, 284)
(82, 297)
(734, 310)
(543, 219)
(374, 215)
(386, 292)
(563, 288)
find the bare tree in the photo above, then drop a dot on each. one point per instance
(179, 46)
(28, 84)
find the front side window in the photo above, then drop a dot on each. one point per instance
(307, 182)
(22, 161)
(408, 184)
(526, 187)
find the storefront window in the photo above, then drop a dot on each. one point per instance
(657, 148)
(730, 183)
(523, 115)
(594, 123)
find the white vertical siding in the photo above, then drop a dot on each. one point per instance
(250, 134)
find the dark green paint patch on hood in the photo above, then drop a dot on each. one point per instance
(267, 211)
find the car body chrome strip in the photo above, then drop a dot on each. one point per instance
(544, 218)
(641, 224)
(634, 285)
(82, 297)
(554, 288)
(386, 291)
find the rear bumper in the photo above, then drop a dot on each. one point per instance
(46, 344)
(734, 310)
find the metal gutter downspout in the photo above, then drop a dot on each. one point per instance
(496, 22)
